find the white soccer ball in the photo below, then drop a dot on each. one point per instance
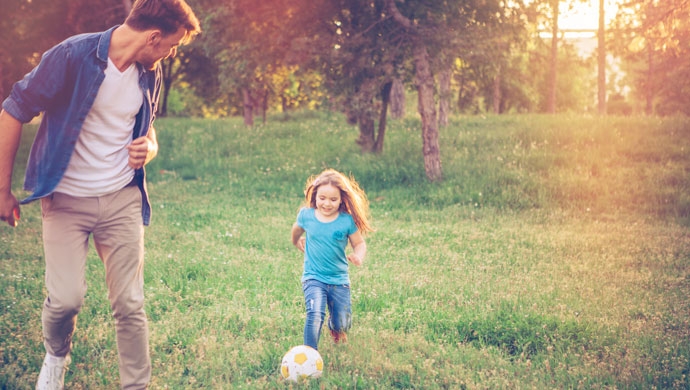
(301, 362)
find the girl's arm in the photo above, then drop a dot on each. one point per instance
(359, 248)
(297, 239)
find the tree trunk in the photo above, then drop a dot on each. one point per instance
(427, 110)
(264, 106)
(602, 61)
(284, 106)
(248, 107)
(385, 99)
(553, 74)
(366, 133)
(444, 98)
(649, 91)
(466, 94)
(425, 93)
(497, 92)
(397, 99)
(362, 106)
(166, 67)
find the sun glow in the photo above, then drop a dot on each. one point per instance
(584, 15)
(578, 22)
(579, 19)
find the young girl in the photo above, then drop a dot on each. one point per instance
(336, 212)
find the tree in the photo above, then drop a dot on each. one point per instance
(397, 98)
(451, 30)
(31, 27)
(172, 69)
(424, 80)
(601, 61)
(553, 66)
(350, 48)
(650, 38)
(444, 97)
(495, 64)
(246, 43)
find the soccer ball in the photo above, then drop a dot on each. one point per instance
(301, 362)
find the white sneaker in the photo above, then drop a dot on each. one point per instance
(52, 376)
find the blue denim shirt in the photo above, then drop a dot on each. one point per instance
(64, 86)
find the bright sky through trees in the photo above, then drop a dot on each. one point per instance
(584, 15)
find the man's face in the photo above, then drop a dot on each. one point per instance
(160, 47)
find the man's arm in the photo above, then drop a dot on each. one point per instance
(10, 135)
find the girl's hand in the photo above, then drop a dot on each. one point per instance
(300, 243)
(354, 259)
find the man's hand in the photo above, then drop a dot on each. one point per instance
(141, 151)
(9, 209)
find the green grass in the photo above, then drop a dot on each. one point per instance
(555, 254)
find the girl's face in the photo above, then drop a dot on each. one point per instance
(328, 200)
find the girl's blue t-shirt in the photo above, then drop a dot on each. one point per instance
(324, 253)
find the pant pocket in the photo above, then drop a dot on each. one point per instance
(46, 204)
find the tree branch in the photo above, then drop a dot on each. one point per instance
(397, 16)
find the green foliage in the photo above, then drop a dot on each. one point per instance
(649, 43)
(298, 53)
(509, 163)
(576, 81)
(554, 255)
(32, 27)
(182, 102)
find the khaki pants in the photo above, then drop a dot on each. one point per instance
(115, 222)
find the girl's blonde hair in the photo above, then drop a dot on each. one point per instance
(353, 199)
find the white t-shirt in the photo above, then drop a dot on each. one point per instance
(98, 165)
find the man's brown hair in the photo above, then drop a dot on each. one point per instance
(165, 15)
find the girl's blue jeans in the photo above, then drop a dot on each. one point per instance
(317, 296)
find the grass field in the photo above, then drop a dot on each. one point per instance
(555, 254)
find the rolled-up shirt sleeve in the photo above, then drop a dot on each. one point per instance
(41, 87)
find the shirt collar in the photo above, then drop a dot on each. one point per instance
(104, 44)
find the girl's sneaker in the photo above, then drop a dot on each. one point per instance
(339, 337)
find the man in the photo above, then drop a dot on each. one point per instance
(98, 94)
